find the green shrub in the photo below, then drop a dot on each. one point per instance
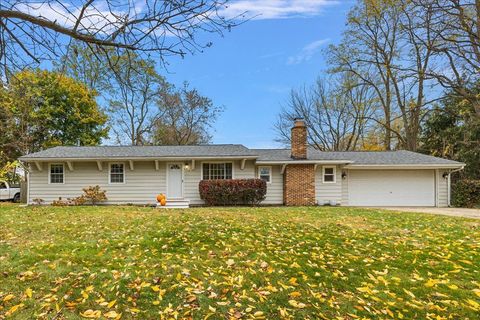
(466, 193)
(232, 191)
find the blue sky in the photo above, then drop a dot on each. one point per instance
(251, 70)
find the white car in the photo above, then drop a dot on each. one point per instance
(8, 192)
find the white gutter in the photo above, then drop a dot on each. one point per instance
(449, 183)
(276, 162)
(28, 188)
(139, 158)
(405, 166)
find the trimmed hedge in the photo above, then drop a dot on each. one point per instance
(232, 191)
(466, 193)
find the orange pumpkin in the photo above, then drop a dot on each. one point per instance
(160, 197)
(163, 202)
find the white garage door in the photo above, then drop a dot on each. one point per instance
(391, 188)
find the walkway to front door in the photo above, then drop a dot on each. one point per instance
(175, 180)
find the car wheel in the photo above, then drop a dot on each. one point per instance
(16, 198)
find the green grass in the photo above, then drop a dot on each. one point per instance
(221, 263)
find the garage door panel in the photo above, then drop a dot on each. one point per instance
(391, 187)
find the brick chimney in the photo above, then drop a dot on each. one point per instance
(299, 178)
(299, 139)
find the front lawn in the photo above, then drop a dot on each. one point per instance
(236, 263)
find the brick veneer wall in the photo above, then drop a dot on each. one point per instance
(299, 185)
(299, 140)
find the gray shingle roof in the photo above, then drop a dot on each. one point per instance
(237, 150)
(401, 157)
(214, 150)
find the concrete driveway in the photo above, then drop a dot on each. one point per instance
(455, 212)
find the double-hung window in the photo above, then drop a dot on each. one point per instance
(265, 173)
(56, 173)
(117, 173)
(214, 171)
(329, 174)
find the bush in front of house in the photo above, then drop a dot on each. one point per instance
(233, 192)
(466, 193)
(91, 194)
(94, 195)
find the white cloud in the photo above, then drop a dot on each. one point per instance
(276, 9)
(308, 51)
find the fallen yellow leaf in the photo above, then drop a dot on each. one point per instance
(111, 315)
(8, 297)
(91, 314)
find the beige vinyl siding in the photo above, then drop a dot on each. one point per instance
(345, 189)
(247, 173)
(190, 187)
(326, 192)
(442, 189)
(141, 185)
(275, 188)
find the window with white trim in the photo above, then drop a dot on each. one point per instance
(56, 173)
(265, 173)
(329, 174)
(117, 173)
(214, 171)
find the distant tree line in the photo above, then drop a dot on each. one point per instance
(104, 83)
(84, 101)
(405, 75)
(143, 107)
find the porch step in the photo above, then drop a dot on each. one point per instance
(175, 204)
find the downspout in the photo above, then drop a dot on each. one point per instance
(449, 184)
(28, 188)
(26, 170)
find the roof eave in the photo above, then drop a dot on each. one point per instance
(406, 166)
(281, 162)
(43, 159)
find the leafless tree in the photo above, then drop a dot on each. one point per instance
(455, 25)
(336, 114)
(367, 51)
(186, 117)
(32, 32)
(390, 50)
(93, 70)
(132, 108)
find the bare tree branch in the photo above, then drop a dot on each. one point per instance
(153, 29)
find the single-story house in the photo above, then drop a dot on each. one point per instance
(296, 176)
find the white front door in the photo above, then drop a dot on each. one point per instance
(175, 180)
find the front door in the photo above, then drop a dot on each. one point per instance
(175, 180)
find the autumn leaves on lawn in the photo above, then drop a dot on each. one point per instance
(236, 263)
